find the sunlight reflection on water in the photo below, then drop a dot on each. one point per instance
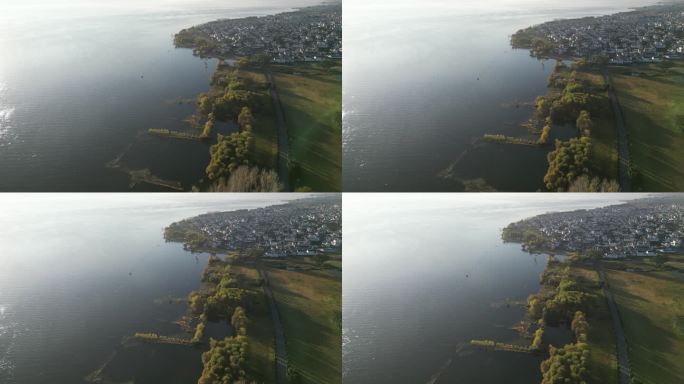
(6, 113)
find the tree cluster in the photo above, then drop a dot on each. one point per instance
(229, 153)
(580, 327)
(566, 365)
(567, 162)
(248, 179)
(224, 362)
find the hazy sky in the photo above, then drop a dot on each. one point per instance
(43, 8)
(493, 5)
(16, 208)
(364, 210)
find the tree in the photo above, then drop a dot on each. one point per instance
(205, 105)
(245, 119)
(542, 106)
(196, 303)
(208, 127)
(538, 339)
(225, 361)
(568, 161)
(580, 326)
(229, 153)
(544, 136)
(199, 333)
(535, 307)
(566, 365)
(239, 321)
(584, 123)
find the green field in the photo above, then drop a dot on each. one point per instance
(311, 96)
(602, 363)
(651, 306)
(652, 100)
(310, 303)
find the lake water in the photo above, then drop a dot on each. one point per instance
(80, 80)
(422, 79)
(426, 273)
(79, 273)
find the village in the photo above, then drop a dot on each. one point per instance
(309, 34)
(645, 35)
(301, 228)
(635, 229)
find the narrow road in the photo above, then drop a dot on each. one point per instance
(283, 137)
(620, 339)
(279, 332)
(624, 177)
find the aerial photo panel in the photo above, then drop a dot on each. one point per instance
(178, 178)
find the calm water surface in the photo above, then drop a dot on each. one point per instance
(422, 79)
(80, 80)
(79, 273)
(425, 274)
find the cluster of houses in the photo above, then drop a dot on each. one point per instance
(645, 35)
(643, 228)
(309, 34)
(300, 228)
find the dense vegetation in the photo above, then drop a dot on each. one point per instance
(567, 162)
(572, 99)
(567, 365)
(226, 360)
(530, 39)
(202, 44)
(228, 154)
(563, 300)
(235, 96)
(531, 239)
(576, 97)
(224, 363)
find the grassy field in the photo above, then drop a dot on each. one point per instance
(311, 307)
(261, 358)
(651, 306)
(604, 151)
(652, 100)
(311, 95)
(602, 359)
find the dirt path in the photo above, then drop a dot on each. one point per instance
(279, 332)
(283, 137)
(624, 177)
(620, 339)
